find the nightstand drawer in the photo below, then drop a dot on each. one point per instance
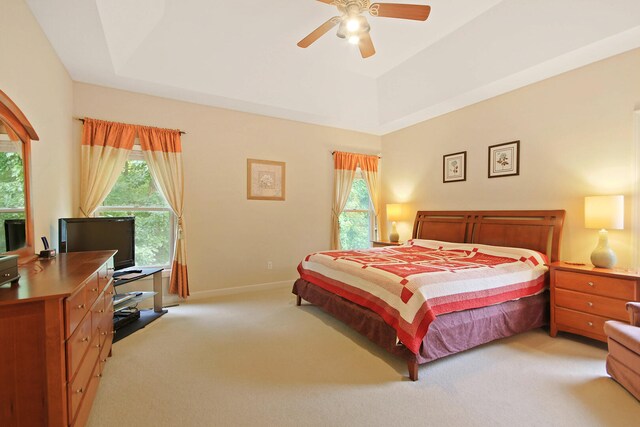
(598, 285)
(589, 323)
(592, 304)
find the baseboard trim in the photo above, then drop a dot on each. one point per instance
(196, 296)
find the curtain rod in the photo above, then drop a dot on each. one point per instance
(82, 120)
(333, 152)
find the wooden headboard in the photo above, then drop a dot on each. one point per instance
(540, 230)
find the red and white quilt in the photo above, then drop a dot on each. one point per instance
(408, 286)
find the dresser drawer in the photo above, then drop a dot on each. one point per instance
(585, 322)
(82, 416)
(77, 346)
(94, 290)
(76, 307)
(78, 388)
(592, 304)
(597, 285)
(97, 313)
(104, 275)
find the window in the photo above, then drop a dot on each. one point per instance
(357, 220)
(135, 194)
(11, 186)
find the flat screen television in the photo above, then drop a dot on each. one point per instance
(95, 234)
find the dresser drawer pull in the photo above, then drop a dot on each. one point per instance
(101, 311)
(104, 360)
(590, 284)
(99, 376)
(85, 339)
(6, 275)
(110, 293)
(80, 306)
(590, 304)
(98, 346)
(80, 391)
(590, 323)
(94, 289)
(113, 332)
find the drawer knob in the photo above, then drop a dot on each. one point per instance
(590, 323)
(6, 274)
(590, 284)
(99, 376)
(101, 311)
(80, 306)
(104, 360)
(590, 304)
(94, 289)
(80, 390)
(98, 345)
(85, 339)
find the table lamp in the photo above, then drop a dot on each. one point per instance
(394, 213)
(604, 212)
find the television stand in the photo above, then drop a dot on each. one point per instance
(146, 316)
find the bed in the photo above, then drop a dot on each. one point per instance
(535, 232)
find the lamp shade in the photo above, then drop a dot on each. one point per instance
(394, 212)
(604, 212)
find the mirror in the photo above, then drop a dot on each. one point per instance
(16, 219)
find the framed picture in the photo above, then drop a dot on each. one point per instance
(454, 167)
(265, 180)
(504, 159)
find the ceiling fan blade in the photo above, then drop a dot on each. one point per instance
(326, 1)
(403, 11)
(366, 46)
(319, 32)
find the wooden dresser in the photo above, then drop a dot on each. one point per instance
(584, 297)
(56, 329)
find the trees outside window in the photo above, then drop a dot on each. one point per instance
(135, 194)
(11, 187)
(357, 220)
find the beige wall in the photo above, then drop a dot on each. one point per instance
(576, 136)
(230, 238)
(33, 76)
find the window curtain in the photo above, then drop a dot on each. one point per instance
(369, 168)
(162, 150)
(345, 165)
(104, 151)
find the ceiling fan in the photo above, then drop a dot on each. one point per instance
(353, 26)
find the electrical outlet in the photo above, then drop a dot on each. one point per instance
(269, 265)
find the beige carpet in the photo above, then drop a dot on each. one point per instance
(258, 360)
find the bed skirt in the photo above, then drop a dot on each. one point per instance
(448, 333)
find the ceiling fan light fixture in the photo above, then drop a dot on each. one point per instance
(353, 24)
(354, 39)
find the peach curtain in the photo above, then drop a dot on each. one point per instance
(104, 151)
(369, 168)
(162, 150)
(345, 165)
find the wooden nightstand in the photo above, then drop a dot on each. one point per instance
(584, 297)
(381, 243)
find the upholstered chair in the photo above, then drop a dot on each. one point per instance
(623, 360)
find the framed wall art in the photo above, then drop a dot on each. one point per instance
(265, 180)
(454, 167)
(504, 159)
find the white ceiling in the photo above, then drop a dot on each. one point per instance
(242, 54)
